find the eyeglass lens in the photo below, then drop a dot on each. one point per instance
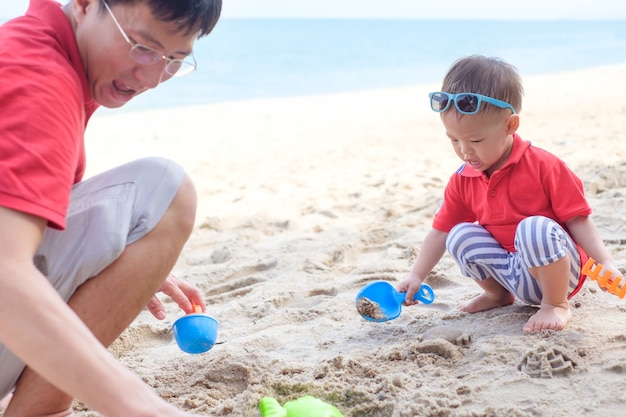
(148, 56)
(467, 103)
(439, 102)
(144, 55)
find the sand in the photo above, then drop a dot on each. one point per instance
(303, 201)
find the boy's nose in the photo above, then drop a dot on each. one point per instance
(466, 150)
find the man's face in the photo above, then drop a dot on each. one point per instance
(115, 78)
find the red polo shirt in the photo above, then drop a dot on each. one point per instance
(44, 107)
(533, 182)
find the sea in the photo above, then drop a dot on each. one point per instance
(262, 58)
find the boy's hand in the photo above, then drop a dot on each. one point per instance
(410, 285)
(608, 267)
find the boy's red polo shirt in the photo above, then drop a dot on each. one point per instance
(531, 182)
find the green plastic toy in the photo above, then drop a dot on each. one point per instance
(306, 406)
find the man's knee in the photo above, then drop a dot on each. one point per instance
(181, 213)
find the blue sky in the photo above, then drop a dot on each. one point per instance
(415, 9)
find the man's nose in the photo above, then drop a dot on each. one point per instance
(151, 75)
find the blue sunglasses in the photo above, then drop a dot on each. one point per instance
(466, 103)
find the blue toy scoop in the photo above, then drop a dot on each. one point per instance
(379, 301)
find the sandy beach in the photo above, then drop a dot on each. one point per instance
(303, 201)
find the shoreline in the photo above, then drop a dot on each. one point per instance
(102, 112)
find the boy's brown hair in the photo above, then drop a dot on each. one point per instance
(492, 77)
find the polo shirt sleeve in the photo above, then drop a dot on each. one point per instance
(566, 192)
(453, 209)
(41, 112)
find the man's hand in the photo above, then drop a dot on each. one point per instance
(183, 293)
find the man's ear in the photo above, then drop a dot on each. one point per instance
(79, 8)
(512, 123)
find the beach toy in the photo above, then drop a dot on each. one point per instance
(306, 406)
(607, 280)
(196, 332)
(379, 301)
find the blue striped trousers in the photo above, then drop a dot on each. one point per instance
(539, 241)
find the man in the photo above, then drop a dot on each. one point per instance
(80, 259)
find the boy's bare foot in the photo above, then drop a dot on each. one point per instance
(487, 301)
(549, 317)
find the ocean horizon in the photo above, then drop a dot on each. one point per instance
(265, 58)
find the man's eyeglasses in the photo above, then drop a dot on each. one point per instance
(466, 103)
(146, 55)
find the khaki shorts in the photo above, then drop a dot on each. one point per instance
(107, 212)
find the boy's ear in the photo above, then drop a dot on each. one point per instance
(512, 124)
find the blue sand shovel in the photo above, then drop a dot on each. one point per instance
(379, 301)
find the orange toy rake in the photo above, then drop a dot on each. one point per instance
(607, 280)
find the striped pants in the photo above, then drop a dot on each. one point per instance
(539, 241)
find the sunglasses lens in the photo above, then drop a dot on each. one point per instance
(467, 103)
(439, 102)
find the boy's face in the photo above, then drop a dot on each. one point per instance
(114, 78)
(483, 141)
